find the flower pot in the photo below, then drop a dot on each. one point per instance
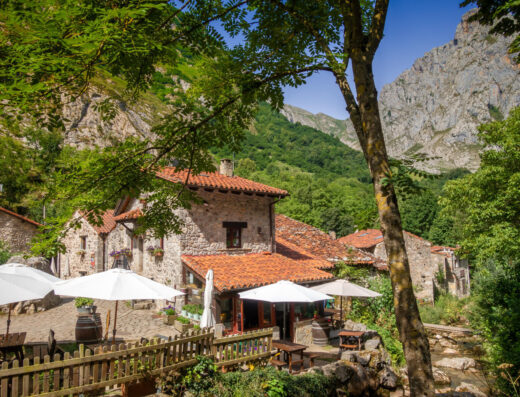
(86, 309)
(182, 327)
(184, 313)
(197, 317)
(169, 319)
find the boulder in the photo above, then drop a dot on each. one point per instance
(349, 355)
(359, 383)
(372, 344)
(387, 378)
(469, 388)
(349, 324)
(441, 378)
(462, 363)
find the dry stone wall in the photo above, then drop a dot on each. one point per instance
(16, 232)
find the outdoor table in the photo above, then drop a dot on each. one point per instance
(290, 348)
(348, 339)
(13, 344)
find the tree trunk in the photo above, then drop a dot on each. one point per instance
(367, 124)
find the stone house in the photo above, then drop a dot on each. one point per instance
(17, 230)
(454, 269)
(422, 268)
(231, 230)
(86, 247)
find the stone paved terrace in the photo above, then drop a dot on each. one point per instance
(131, 324)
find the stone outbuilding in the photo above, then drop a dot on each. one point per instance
(423, 268)
(17, 230)
(454, 269)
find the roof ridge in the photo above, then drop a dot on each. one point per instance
(23, 218)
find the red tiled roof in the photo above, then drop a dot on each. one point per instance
(292, 251)
(442, 250)
(108, 225)
(363, 238)
(23, 218)
(231, 272)
(129, 215)
(218, 181)
(317, 242)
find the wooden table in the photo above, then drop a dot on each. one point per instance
(350, 339)
(13, 344)
(290, 348)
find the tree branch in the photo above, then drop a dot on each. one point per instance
(378, 26)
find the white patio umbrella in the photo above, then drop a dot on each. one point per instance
(22, 283)
(115, 285)
(344, 288)
(208, 319)
(283, 292)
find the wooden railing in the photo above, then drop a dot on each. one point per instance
(125, 363)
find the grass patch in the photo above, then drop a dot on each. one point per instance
(447, 310)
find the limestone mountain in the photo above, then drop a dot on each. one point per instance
(436, 106)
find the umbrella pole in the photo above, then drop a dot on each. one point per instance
(115, 323)
(283, 329)
(8, 321)
(341, 311)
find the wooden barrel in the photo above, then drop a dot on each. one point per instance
(320, 332)
(89, 328)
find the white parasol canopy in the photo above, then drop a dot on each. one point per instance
(15, 288)
(208, 319)
(115, 285)
(284, 291)
(22, 270)
(22, 283)
(345, 288)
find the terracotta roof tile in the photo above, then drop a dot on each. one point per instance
(218, 181)
(231, 272)
(23, 218)
(363, 239)
(129, 215)
(442, 250)
(292, 251)
(108, 225)
(317, 242)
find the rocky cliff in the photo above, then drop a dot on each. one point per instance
(436, 106)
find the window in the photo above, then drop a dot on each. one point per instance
(234, 234)
(83, 242)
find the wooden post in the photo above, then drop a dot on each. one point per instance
(241, 315)
(115, 323)
(8, 321)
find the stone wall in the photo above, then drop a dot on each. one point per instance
(72, 260)
(203, 233)
(16, 232)
(422, 269)
(303, 332)
(456, 273)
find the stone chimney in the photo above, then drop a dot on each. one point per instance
(226, 167)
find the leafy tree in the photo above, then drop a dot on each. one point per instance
(490, 233)
(284, 37)
(503, 15)
(419, 213)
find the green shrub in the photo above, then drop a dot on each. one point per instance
(193, 308)
(5, 253)
(447, 310)
(80, 302)
(183, 320)
(170, 312)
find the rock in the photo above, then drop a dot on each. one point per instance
(372, 344)
(359, 383)
(462, 363)
(436, 106)
(363, 358)
(349, 356)
(349, 324)
(441, 378)
(469, 388)
(39, 263)
(387, 378)
(449, 351)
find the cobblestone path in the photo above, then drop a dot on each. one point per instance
(131, 324)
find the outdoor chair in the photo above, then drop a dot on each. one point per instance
(50, 349)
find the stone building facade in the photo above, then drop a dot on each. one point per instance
(16, 230)
(453, 269)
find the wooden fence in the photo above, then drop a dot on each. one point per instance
(113, 366)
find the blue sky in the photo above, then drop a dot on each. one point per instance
(413, 27)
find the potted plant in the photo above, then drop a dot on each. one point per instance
(158, 252)
(199, 312)
(81, 252)
(84, 305)
(170, 316)
(126, 252)
(182, 324)
(115, 254)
